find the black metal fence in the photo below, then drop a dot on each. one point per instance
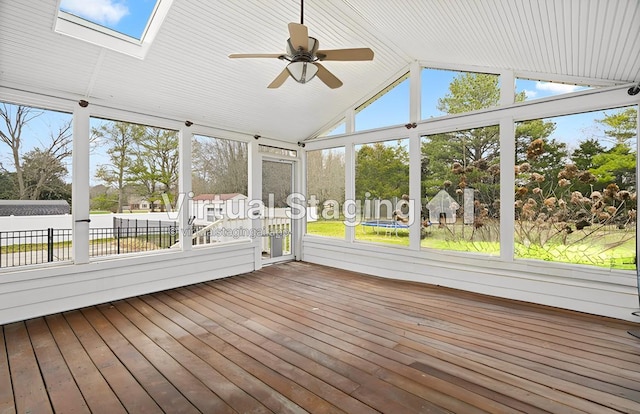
(26, 247)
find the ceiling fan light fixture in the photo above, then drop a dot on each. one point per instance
(302, 72)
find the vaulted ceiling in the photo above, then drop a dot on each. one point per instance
(186, 73)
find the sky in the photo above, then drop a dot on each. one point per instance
(393, 107)
(129, 17)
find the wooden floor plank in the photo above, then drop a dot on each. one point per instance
(132, 396)
(7, 403)
(272, 376)
(189, 333)
(63, 391)
(30, 393)
(96, 391)
(163, 392)
(138, 312)
(296, 337)
(332, 399)
(190, 386)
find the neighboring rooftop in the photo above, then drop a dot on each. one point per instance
(34, 207)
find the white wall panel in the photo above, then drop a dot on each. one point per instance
(27, 293)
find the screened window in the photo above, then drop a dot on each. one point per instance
(461, 187)
(446, 92)
(576, 189)
(382, 188)
(527, 89)
(389, 107)
(35, 185)
(326, 192)
(339, 129)
(134, 174)
(220, 190)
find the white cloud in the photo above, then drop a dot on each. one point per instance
(100, 11)
(556, 88)
(530, 94)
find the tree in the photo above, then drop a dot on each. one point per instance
(15, 118)
(618, 165)
(621, 126)
(468, 158)
(582, 156)
(155, 165)
(119, 138)
(43, 175)
(325, 175)
(469, 92)
(382, 170)
(8, 190)
(219, 166)
(46, 161)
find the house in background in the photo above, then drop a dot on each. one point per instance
(212, 207)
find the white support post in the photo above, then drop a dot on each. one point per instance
(80, 188)
(255, 194)
(415, 92)
(507, 88)
(507, 184)
(350, 121)
(350, 188)
(301, 188)
(184, 202)
(415, 179)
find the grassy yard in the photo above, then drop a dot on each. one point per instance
(609, 248)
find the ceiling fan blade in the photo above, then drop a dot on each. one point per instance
(254, 55)
(279, 80)
(327, 77)
(299, 35)
(363, 53)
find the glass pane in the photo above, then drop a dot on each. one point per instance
(325, 192)
(134, 174)
(447, 92)
(389, 107)
(129, 18)
(35, 185)
(277, 184)
(576, 189)
(219, 182)
(461, 186)
(527, 89)
(337, 130)
(382, 188)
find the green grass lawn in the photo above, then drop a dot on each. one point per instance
(608, 248)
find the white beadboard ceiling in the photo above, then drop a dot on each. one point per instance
(187, 75)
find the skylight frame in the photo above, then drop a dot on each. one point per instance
(71, 25)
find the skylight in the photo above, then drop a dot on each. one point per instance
(126, 26)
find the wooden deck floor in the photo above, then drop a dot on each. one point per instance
(298, 337)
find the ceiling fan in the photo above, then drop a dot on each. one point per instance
(304, 57)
